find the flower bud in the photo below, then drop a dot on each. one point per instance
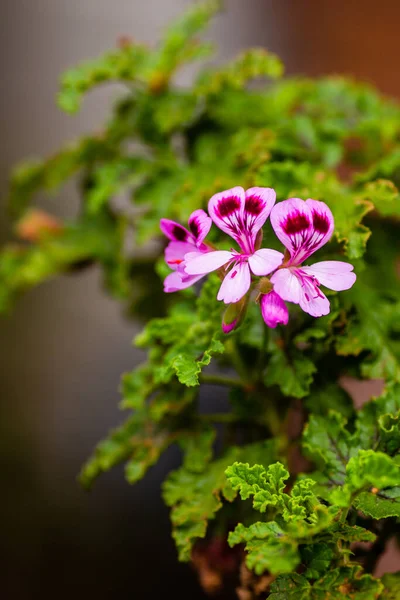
(36, 224)
(234, 315)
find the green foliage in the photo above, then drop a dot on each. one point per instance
(196, 494)
(344, 582)
(163, 151)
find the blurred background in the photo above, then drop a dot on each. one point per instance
(66, 344)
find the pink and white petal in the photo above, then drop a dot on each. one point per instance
(235, 284)
(257, 207)
(226, 210)
(323, 223)
(174, 282)
(314, 305)
(265, 260)
(333, 274)
(175, 232)
(199, 225)
(292, 222)
(287, 285)
(199, 263)
(273, 309)
(175, 253)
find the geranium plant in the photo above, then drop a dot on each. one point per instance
(273, 214)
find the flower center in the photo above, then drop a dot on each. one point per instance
(310, 285)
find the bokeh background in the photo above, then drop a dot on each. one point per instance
(66, 344)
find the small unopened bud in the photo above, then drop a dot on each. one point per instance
(264, 285)
(234, 315)
(36, 224)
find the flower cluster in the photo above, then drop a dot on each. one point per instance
(303, 226)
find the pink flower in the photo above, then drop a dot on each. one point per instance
(303, 227)
(182, 242)
(241, 215)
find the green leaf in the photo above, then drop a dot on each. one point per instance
(329, 444)
(385, 197)
(125, 64)
(373, 332)
(343, 583)
(323, 399)
(250, 64)
(276, 555)
(198, 449)
(318, 558)
(267, 547)
(136, 387)
(380, 505)
(372, 468)
(179, 44)
(188, 369)
(346, 582)
(195, 497)
(265, 485)
(290, 587)
(292, 372)
(187, 341)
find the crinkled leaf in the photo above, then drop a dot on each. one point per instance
(195, 497)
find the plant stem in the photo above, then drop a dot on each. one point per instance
(224, 380)
(237, 360)
(272, 419)
(263, 351)
(219, 418)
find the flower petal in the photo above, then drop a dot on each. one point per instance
(302, 226)
(273, 310)
(265, 260)
(226, 210)
(314, 305)
(333, 274)
(175, 232)
(174, 282)
(287, 285)
(196, 264)
(292, 223)
(199, 225)
(235, 284)
(323, 223)
(257, 207)
(175, 253)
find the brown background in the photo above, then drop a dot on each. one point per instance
(66, 344)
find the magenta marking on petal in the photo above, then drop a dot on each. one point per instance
(179, 233)
(233, 274)
(194, 227)
(295, 223)
(254, 205)
(321, 222)
(227, 206)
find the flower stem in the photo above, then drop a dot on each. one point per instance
(219, 418)
(237, 360)
(224, 380)
(272, 419)
(263, 352)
